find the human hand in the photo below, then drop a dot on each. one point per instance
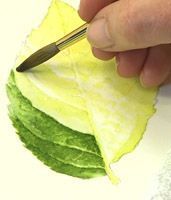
(136, 32)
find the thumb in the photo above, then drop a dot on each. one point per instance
(129, 24)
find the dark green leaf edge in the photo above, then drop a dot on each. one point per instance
(53, 163)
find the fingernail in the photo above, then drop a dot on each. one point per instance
(145, 78)
(98, 34)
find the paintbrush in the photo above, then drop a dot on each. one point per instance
(47, 52)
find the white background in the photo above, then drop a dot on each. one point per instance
(23, 177)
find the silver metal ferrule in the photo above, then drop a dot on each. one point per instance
(72, 37)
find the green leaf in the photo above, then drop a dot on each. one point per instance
(71, 154)
(54, 163)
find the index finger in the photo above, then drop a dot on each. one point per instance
(89, 8)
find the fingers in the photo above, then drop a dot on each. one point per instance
(129, 24)
(103, 55)
(130, 63)
(153, 65)
(157, 67)
(89, 8)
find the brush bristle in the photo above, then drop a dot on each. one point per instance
(39, 57)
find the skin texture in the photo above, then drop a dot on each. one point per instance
(136, 32)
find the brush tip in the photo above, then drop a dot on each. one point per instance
(20, 68)
(39, 57)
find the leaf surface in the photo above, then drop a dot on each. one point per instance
(83, 93)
